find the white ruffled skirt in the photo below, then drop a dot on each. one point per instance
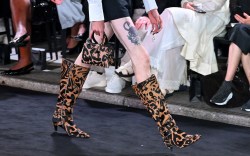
(164, 49)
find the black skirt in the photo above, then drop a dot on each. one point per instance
(240, 35)
(115, 9)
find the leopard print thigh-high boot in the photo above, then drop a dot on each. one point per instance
(151, 96)
(74, 77)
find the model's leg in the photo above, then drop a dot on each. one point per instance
(128, 36)
(21, 13)
(148, 88)
(224, 94)
(73, 76)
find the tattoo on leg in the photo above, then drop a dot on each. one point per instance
(132, 33)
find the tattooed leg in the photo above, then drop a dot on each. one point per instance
(127, 34)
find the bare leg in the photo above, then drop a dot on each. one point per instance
(147, 87)
(21, 12)
(73, 32)
(234, 57)
(20, 15)
(246, 65)
(127, 34)
(73, 77)
(224, 93)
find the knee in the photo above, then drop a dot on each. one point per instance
(241, 28)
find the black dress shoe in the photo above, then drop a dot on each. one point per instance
(19, 41)
(24, 70)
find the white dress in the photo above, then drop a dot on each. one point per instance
(186, 35)
(198, 30)
(164, 49)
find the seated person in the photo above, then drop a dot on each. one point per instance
(187, 35)
(21, 17)
(71, 16)
(239, 50)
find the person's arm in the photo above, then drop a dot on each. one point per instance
(95, 10)
(150, 5)
(153, 15)
(185, 2)
(96, 17)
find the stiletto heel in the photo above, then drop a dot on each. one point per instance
(81, 37)
(55, 127)
(19, 41)
(72, 79)
(151, 96)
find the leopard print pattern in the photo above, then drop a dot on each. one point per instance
(151, 96)
(97, 54)
(70, 91)
(65, 66)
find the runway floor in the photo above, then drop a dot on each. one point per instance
(26, 130)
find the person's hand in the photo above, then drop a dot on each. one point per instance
(97, 27)
(142, 22)
(243, 20)
(57, 2)
(155, 20)
(188, 5)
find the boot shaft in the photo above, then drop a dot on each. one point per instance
(72, 79)
(150, 94)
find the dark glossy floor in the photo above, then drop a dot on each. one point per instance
(26, 130)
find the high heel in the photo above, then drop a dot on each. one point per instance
(24, 70)
(72, 80)
(151, 96)
(81, 37)
(55, 127)
(19, 41)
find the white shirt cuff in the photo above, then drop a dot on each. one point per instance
(96, 12)
(150, 5)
